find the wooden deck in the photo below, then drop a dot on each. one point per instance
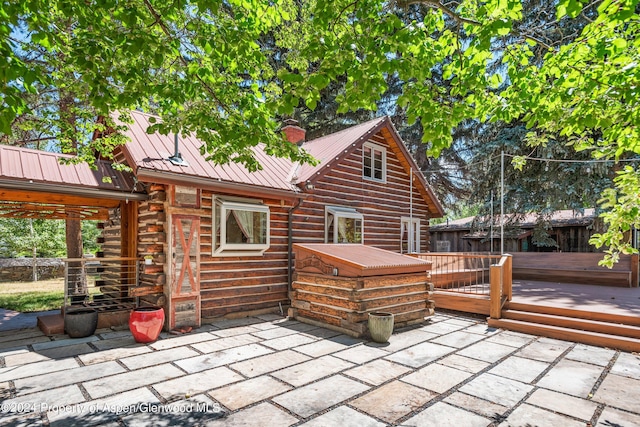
(591, 314)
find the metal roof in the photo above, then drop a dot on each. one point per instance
(561, 218)
(148, 154)
(27, 169)
(151, 152)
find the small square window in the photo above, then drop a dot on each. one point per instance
(240, 228)
(374, 159)
(343, 225)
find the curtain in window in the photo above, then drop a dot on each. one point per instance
(342, 230)
(245, 222)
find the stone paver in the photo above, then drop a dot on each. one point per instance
(130, 380)
(613, 417)
(315, 397)
(487, 351)
(182, 340)
(264, 414)
(493, 388)
(464, 363)
(271, 362)
(157, 357)
(627, 365)
(224, 357)
(267, 370)
(474, 404)
(590, 354)
(513, 339)
(361, 354)
(436, 377)
(569, 376)
(420, 355)
(32, 369)
(190, 385)
(527, 415)
(22, 357)
(46, 381)
(343, 416)
(458, 339)
(288, 341)
(40, 401)
(113, 354)
(564, 404)
(444, 415)
(225, 343)
(544, 349)
(520, 369)
(393, 400)
(408, 339)
(248, 392)
(323, 347)
(618, 391)
(310, 371)
(377, 372)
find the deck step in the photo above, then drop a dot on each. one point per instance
(568, 334)
(608, 328)
(579, 314)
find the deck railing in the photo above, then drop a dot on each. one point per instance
(501, 285)
(460, 272)
(101, 283)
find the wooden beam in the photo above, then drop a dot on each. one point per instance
(55, 199)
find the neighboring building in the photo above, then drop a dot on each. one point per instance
(220, 237)
(567, 230)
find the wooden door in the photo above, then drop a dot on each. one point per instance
(185, 271)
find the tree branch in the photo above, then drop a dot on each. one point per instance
(461, 20)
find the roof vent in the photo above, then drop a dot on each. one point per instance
(177, 159)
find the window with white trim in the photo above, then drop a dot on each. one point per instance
(343, 225)
(374, 162)
(240, 227)
(409, 235)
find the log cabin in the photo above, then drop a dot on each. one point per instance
(220, 238)
(217, 240)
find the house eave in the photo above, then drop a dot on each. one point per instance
(93, 193)
(171, 178)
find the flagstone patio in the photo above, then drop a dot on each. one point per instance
(266, 370)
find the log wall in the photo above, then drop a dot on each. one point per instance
(382, 204)
(234, 284)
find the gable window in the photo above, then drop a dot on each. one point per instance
(240, 227)
(374, 159)
(343, 225)
(409, 235)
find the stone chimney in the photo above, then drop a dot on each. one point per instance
(294, 133)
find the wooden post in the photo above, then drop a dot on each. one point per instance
(495, 280)
(508, 277)
(634, 271)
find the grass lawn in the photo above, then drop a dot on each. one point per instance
(32, 296)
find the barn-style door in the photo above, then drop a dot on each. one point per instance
(185, 271)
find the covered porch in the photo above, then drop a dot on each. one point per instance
(41, 185)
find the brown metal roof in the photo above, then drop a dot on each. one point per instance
(368, 260)
(151, 151)
(28, 169)
(562, 218)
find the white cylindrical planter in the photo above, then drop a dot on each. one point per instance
(380, 326)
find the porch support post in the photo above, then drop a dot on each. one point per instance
(495, 279)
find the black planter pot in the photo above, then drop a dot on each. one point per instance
(80, 323)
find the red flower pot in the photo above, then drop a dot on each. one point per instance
(146, 323)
